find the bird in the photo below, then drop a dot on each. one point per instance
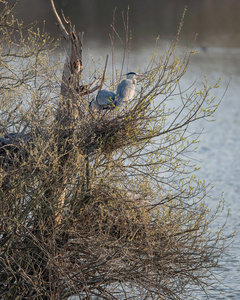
(126, 89)
(125, 92)
(104, 100)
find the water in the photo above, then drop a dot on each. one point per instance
(219, 152)
(216, 22)
(219, 149)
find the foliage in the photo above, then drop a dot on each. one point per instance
(108, 205)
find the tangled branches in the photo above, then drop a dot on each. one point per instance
(100, 205)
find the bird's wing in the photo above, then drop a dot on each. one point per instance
(125, 90)
(105, 97)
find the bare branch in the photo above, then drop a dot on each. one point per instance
(59, 21)
(103, 76)
(66, 20)
(88, 89)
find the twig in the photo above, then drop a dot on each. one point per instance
(59, 21)
(103, 76)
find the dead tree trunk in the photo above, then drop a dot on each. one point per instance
(71, 107)
(70, 98)
(68, 104)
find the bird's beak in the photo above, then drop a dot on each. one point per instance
(141, 75)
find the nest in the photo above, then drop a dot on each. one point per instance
(112, 131)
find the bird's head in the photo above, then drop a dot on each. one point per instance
(132, 75)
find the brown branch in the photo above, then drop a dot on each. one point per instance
(59, 21)
(66, 20)
(103, 76)
(87, 89)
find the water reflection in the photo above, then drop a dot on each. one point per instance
(217, 23)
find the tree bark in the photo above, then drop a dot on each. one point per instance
(70, 87)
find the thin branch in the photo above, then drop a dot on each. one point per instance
(59, 21)
(66, 20)
(112, 43)
(103, 76)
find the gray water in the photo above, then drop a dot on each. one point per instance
(216, 22)
(218, 154)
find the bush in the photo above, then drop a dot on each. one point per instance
(103, 205)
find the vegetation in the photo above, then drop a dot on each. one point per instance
(99, 205)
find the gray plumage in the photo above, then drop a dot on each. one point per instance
(126, 89)
(125, 92)
(104, 100)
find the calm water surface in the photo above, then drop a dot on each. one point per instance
(219, 150)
